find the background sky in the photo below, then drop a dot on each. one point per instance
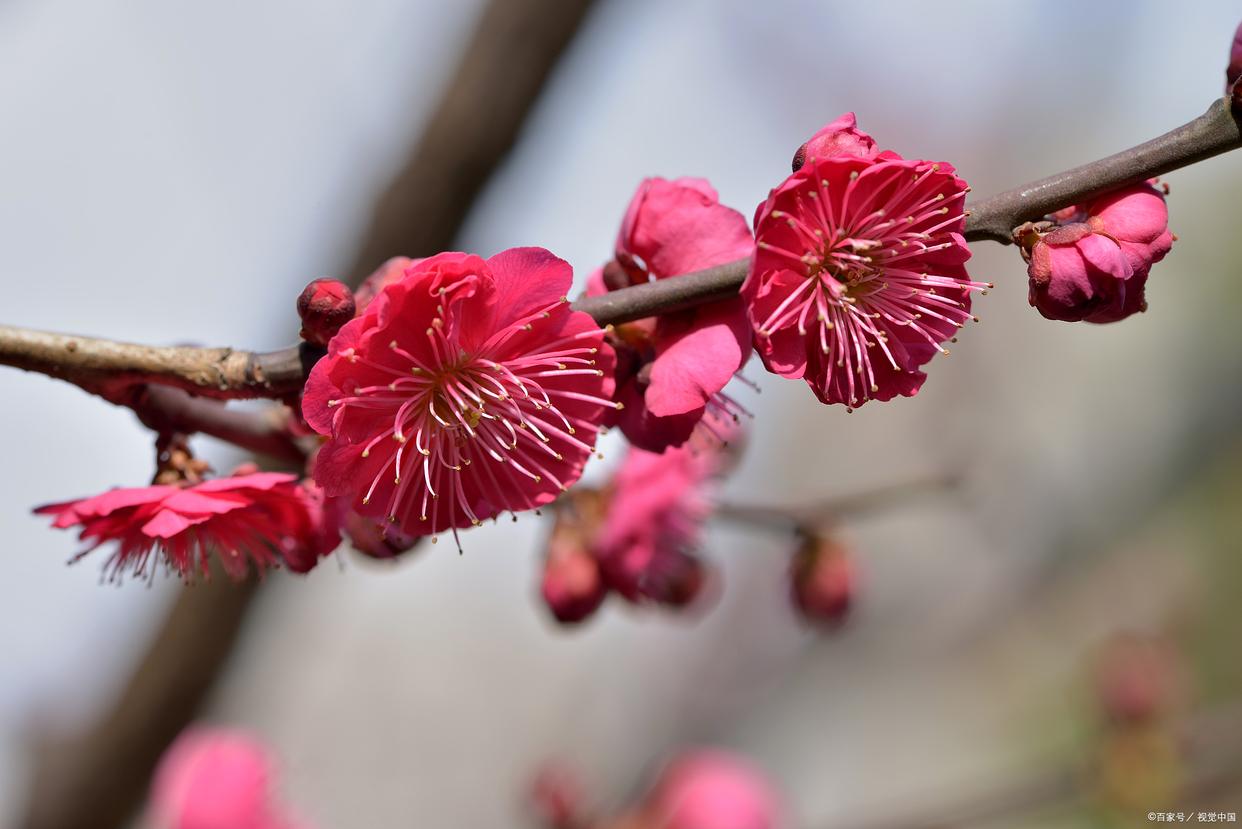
(175, 172)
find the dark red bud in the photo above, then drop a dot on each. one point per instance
(822, 581)
(324, 306)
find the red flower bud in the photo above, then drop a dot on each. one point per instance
(822, 580)
(377, 539)
(324, 306)
(1234, 70)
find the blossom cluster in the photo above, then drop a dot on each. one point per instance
(454, 388)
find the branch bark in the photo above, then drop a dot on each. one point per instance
(455, 170)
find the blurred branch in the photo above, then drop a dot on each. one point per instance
(813, 516)
(455, 170)
(97, 781)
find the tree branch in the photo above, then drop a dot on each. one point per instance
(104, 367)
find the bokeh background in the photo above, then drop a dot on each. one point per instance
(175, 172)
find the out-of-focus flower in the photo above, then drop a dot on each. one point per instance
(324, 306)
(672, 369)
(822, 580)
(573, 586)
(859, 274)
(377, 539)
(1234, 70)
(1138, 678)
(557, 797)
(658, 503)
(217, 779)
(1093, 265)
(383, 276)
(712, 789)
(466, 388)
(841, 137)
(260, 518)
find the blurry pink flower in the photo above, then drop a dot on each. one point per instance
(1093, 266)
(324, 306)
(466, 388)
(216, 779)
(841, 137)
(557, 795)
(1139, 678)
(822, 580)
(671, 369)
(1234, 70)
(573, 587)
(711, 789)
(657, 506)
(260, 518)
(383, 276)
(858, 274)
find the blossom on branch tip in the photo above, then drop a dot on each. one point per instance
(217, 779)
(324, 306)
(672, 369)
(466, 388)
(259, 518)
(1092, 265)
(859, 274)
(1234, 70)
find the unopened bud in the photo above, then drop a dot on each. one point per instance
(1234, 70)
(822, 580)
(324, 306)
(377, 539)
(1137, 678)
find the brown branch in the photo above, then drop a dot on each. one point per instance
(811, 517)
(165, 409)
(102, 366)
(99, 780)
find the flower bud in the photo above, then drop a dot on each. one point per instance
(324, 306)
(822, 580)
(1137, 678)
(841, 137)
(377, 539)
(1234, 70)
(557, 797)
(1093, 264)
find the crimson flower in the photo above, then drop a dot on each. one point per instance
(262, 518)
(858, 275)
(465, 388)
(672, 369)
(1093, 265)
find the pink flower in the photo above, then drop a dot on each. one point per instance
(858, 276)
(653, 524)
(1234, 70)
(216, 779)
(822, 581)
(1093, 266)
(841, 137)
(324, 306)
(260, 518)
(671, 369)
(711, 789)
(466, 388)
(573, 587)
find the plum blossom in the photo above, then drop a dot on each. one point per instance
(1093, 264)
(672, 369)
(712, 789)
(858, 275)
(465, 388)
(217, 779)
(840, 137)
(258, 518)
